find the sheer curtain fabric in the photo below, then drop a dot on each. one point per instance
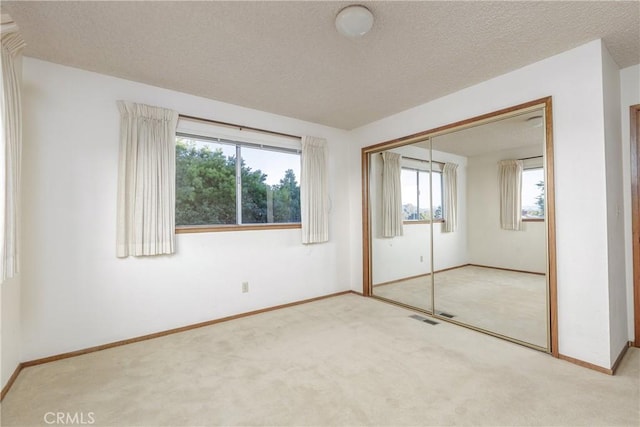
(510, 179)
(392, 215)
(450, 197)
(314, 191)
(12, 45)
(146, 180)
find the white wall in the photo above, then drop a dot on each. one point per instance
(403, 256)
(574, 79)
(615, 220)
(629, 95)
(76, 293)
(489, 244)
(10, 328)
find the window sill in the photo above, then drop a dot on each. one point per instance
(532, 219)
(421, 221)
(186, 229)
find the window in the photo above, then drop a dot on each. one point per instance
(533, 194)
(415, 194)
(212, 188)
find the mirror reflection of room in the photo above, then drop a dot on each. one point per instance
(503, 286)
(401, 224)
(472, 204)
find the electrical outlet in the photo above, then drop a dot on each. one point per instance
(421, 258)
(245, 287)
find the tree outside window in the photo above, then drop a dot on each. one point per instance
(207, 190)
(533, 193)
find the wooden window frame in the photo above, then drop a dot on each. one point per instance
(422, 221)
(188, 229)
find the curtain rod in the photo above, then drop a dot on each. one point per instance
(239, 127)
(534, 157)
(419, 160)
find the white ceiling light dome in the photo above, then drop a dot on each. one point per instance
(354, 21)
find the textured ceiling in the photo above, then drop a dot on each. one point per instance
(287, 58)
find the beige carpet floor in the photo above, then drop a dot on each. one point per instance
(345, 360)
(504, 302)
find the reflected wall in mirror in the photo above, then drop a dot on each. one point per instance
(472, 243)
(502, 286)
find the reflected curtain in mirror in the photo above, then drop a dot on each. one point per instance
(450, 197)
(391, 195)
(510, 175)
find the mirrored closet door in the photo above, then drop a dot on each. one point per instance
(401, 225)
(458, 221)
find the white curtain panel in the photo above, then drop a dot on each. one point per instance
(392, 216)
(12, 45)
(146, 180)
(510, 178)
(450, 197)
(314, 191)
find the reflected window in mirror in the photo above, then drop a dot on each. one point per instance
(533, 194)
(415, 195)
(436, 188)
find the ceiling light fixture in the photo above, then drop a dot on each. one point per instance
(354, 21)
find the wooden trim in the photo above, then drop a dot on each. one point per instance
(462, 124)
(508, 269)
(12, 379)
(584, 364)
(616, 364)
(608, 371)
(173, 331)
(550, 217)
(366, 232)
(243, 227)
(421, 221)
(634, 112)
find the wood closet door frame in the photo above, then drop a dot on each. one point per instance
(635, 215)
